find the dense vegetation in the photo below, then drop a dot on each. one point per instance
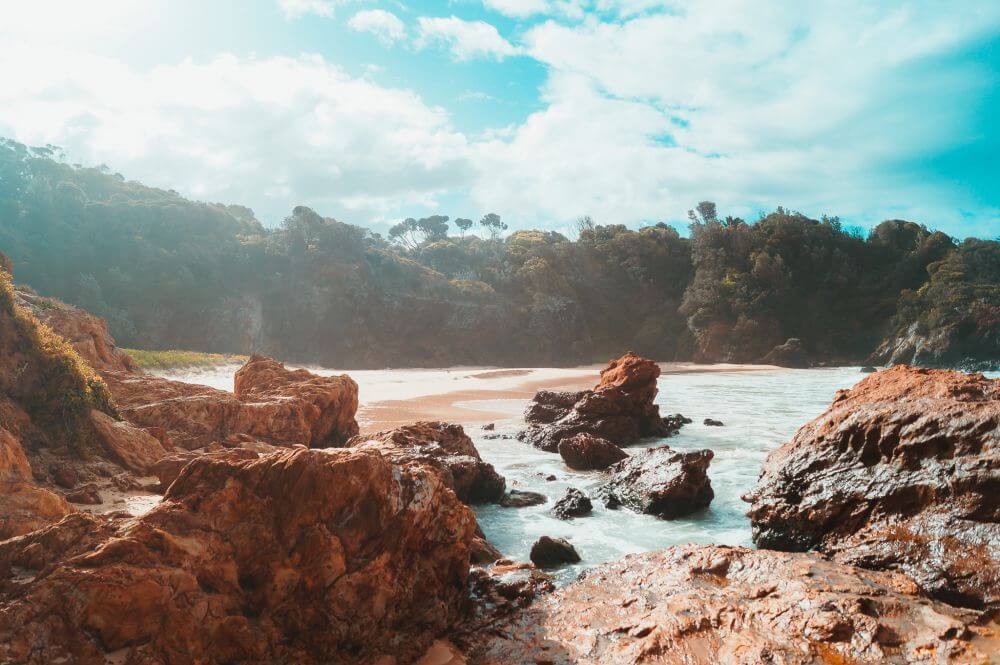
(172, 273)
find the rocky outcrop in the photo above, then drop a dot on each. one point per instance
(902, 472)
(573, 503)
(131, 447)
(790, 354)
(444, 447)
(586, 452)
(24, 505)
(712, 604)
(620, 408)
(553, 552)
(88, 334)
(271, 404)
(661, 481)
(301, 556)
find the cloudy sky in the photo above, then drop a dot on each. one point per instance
(540, 110)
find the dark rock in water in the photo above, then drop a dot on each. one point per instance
(868, 369)
(585, 452)
(553, 552)
(662, 482)
(620, 408)
(711, 422)
(522, 499)
(573, 504)
(676, 421)
(550, 477)
(790, 354)
(489, 427)
(901, 473)
(709, 604)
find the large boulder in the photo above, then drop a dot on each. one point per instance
(302, 556)
(131, 447)
(446, 448)
(586, 452)
(620, 408)
(902, 472)
(702, 605)
(661, 481)
(271, 404)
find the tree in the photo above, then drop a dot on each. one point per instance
(463, 224)
(492, 223)
(704, 212)
(434, 227)
(411, 233)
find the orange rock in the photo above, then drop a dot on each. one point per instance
(24, 506)
(129, 446)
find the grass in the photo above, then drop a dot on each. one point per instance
(175, 359)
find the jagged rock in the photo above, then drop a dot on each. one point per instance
(702, 605)
(447, 448)
(902, 472)
(572, 504)
(271, 403)
(489, 427)
(168, 468)
(24, 506)
(553, 552)
(585, 452)
(500, 590)
(661, 481)
(712, 422)
(619, 409)
(129, 446)
(790, 354)
(304, 556)
(481, 551)
(522, 499)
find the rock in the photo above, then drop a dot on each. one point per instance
(502, 589)
(522, 499)
(790, 354)
(902, 472)
(325, 405)
(88, 495)
(572, 504)
(676, 421)
(88, 334)
(446, 448)
(585, 452)
(64, 475)
(24, 506)
(710, 604)
(129, 446)
(271, 404)
(304, 556)
(549, 478)
(553, 552)
(167, 469)
(662, 482)
(619, 409)
(481, 551)
(711, 422)
(489, 427)
(868, 369)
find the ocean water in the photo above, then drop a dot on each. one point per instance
(760, 409)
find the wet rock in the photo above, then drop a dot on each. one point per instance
(522, 499)
(301, 556)
(902, 472)
(553, 552)
(445, 447)
(676, 421)
(711, 422)
(572, 504)
(790, 354)
(868, 369)
(585, 452)
(481, 551)
(489, 427)
(620, 408)
(711, 604)
(661, 481)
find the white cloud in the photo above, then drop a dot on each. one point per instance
(269, 133)
(297, 8)
(385, 25)
(466, 39)
(518, 8)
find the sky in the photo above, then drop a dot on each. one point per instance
(630, 111)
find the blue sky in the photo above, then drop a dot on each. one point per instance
(540, 110)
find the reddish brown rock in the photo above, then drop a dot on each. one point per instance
(661, 481)
(585, 452)
(129, 446)
(24, 506)
(302, 556)
(619, 409)
(444, 447)
(902, 472)
(272, 404)
(703, 605)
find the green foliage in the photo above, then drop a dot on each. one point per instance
(175, 359)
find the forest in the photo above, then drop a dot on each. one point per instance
(168, 272)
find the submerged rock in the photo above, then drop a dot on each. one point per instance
(522, 499)
(585, 452)
(704, 605)
(902, 472)
(572, 504)
(553, 552)
(620, 408)
(300, 556)
(447, 448)
(661, 481)
(712, 422)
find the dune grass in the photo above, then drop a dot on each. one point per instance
(176, 359)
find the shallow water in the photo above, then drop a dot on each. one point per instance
(760, 411)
